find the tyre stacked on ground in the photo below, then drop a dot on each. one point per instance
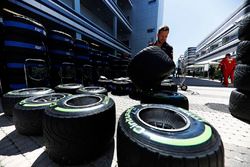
(23, 38)
(68, 88)
(78, 128)
(239, 103)
(28, 113)
(92, 90)
(105, 82)
(121, 86)
(60, 45)
(163, 135)
(10, 99)
(147, 70)
(169, 85)
(82, 57)
(105, 65)
(165, 97)
(97, 63)
(119, 67)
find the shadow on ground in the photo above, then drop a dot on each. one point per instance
(5, 120)
(14, 144)
(105, 160)
(218, 107)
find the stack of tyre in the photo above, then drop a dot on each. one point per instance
(239, 104)
(82, 57)
(97, 62)
(119, 67)
(84, 123)
(159, 134)
(24, 54)
(121, 86)
(60, 48)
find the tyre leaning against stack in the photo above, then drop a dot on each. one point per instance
(149, 67)
(239, 99)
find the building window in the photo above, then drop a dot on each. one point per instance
(150, 30)
(151, 1)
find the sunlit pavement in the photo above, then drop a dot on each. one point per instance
(211, 103)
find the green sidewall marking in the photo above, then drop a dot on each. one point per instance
(106, 100)
(35, 105)
(68, 109)
(205, 136)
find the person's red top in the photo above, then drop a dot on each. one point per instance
(227, 64)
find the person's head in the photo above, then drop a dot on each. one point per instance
(163, 34)
(228, 55)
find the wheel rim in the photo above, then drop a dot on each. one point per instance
(83, 101)
(48, 98)
(163, 119)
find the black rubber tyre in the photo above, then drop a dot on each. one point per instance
(183, 87)
(90, 75)
(239, 104)
(15, 23)
(81, 46)
(242, 79)
(27, 115)
(165, 97)
(169, 86)
(68, 88)
(243, 52)
(244, 29)
(37, 73)
(17, 70)
(106, 83)
(149, 67)
(11, 98)
(79, 128)
(163, 135)
(120, 88)
(22, 50)
(92, 90)
(135, 93)
(60, 39)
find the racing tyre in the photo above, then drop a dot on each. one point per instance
(183, 87)
(59, 39)
(10, 99)
(244, 29)
(169, 86)
(120, 87)
(243, 52)
(163, 135)
(92, 90)
(165, 97)
(15, 23)
(242, 79)
(68, 88)
(27, 115)
(149, 67)
(79, 128)
(239, 104)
